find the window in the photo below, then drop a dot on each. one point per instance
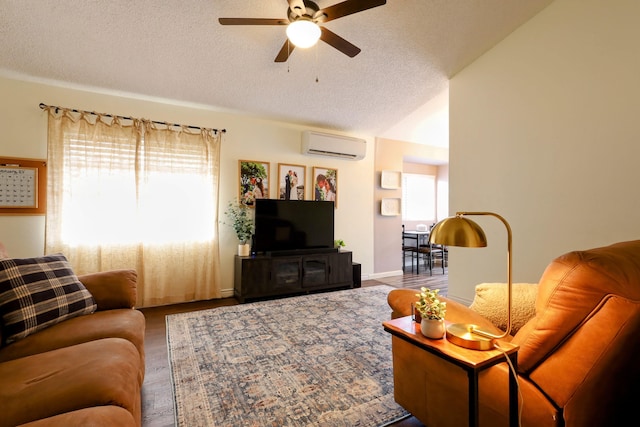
(119, 192)
(135, 195)
(418, 197)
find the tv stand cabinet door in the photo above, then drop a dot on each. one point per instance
(286, 273)
(315, 271)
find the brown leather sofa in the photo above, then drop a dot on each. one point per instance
(577, 362)
(84, 371)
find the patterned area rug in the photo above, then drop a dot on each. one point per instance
(313, 360)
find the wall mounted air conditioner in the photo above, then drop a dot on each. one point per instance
(327, 145)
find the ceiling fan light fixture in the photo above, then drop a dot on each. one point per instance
(303, 33)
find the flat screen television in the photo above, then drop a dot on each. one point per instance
(293, 225)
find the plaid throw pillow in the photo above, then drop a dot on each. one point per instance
(36, 293)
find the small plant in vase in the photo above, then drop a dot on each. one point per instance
(339, 243)
(242, 224)
(432, 312)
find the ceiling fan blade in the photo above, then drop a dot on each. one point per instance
(346, 8)
(284, 53)
(338, 42)
(252, 21)
(297, 7)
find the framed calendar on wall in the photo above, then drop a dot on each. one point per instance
(18, 187)
(22, 186)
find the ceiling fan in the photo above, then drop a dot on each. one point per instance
(303, 19)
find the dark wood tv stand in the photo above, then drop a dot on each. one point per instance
(264, 276)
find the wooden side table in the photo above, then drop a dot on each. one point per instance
(472, 361)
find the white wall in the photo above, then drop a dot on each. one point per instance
(442, 202)
(544, 130)
(24, 129)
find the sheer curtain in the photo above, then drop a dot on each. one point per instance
(135, 194)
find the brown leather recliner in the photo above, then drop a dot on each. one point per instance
(578, 357)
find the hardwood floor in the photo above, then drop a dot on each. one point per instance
(157, 394)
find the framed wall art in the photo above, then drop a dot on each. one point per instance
(390, 207)
(390, 179)
(254, 181)
(291, 179)
(325, 184)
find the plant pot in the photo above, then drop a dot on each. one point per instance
(244, 249)
(431, 328)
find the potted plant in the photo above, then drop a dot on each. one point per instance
(339, 243)
(432, 312)
(242, 224)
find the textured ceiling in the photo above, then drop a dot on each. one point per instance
(177, 50)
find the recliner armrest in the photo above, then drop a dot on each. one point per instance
(112, 289)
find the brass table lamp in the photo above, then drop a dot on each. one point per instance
(461, 231)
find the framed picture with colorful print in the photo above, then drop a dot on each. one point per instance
(291, 179)
(325, 184)
(254, 181)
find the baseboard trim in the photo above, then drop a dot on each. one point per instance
(226, 293)
(383, 274)
(463, 301)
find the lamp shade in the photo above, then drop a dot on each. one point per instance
(458, 231)
(303, 33)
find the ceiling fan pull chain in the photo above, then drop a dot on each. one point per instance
(316, 47)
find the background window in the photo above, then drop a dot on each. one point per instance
(418, 197)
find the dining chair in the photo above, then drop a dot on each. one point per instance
(410, 248)
(430, 253)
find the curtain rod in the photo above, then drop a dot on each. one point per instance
(43, 106)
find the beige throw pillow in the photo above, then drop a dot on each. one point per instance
(491, 302)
